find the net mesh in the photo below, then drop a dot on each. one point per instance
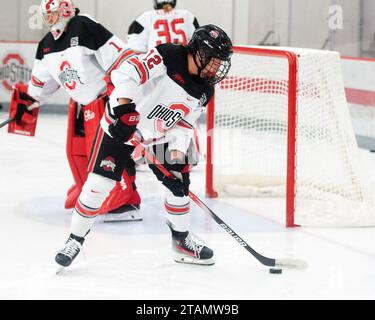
(250, 138)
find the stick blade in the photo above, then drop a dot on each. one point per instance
(291, 263)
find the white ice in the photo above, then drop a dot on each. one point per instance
(134, 260)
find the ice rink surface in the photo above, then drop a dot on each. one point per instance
(134, 260)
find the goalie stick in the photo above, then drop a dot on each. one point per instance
(4, 123)
(270, 262)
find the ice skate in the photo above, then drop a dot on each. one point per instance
(189, 249)
(66, 255)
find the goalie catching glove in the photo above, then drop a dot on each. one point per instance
(126, 120)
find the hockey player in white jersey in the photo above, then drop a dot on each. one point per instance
(158, 95)
(165, 24)
(76, 55)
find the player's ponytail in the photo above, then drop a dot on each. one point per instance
(76, 11)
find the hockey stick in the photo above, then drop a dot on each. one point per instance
(270, 262)
(4, 123)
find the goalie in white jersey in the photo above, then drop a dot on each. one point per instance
(76, 55)
(158, 95)
(165, 24)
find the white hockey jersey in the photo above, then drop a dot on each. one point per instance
(77, 61)
(157, 27)
(168, 99)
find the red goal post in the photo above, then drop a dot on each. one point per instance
(292, 80)
(306, 86)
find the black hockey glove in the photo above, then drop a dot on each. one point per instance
(178, 187)
(126, 120)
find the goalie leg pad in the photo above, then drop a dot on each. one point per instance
(92, 114)
(76, 154)
(124, 196)
(82, 128)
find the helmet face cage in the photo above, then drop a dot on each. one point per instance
(65, 10)
(159, 4)
(212, 51)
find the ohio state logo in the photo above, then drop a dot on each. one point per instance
(167, 117)
(68, 76)
(108, 164)
(13, 70)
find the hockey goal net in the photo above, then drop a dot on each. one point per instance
(279, 125)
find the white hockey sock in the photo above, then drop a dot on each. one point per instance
(178, 212)
(80, 225)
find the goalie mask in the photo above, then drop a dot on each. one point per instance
(56, 15)
(212, 51)
(159, 4)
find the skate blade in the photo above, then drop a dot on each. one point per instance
(59, 270)
(191, 260)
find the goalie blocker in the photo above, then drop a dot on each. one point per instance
(24, 110)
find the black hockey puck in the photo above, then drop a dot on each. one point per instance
(276, 270)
